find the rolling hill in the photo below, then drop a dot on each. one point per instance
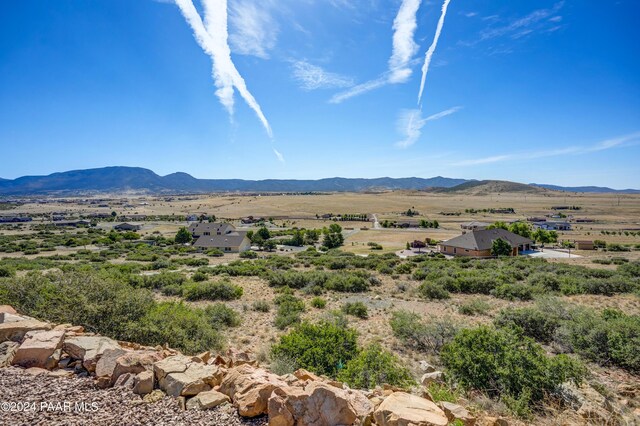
(482, 187)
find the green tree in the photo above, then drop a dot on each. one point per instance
(311, 236)
(501, 247)
(333, 236)
(498, 225)
(183, 236)
(521, 228)
(263, 233)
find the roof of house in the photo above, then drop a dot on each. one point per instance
(483, 240)
(232, 239)
(211, 227)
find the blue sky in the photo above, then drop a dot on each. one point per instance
(523, 90)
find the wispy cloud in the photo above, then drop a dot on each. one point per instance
(404, 49)
(312, 77)
(279, 156)
(212, 36)
(432, 48)
(410, 124)
(253, 29)
(525, 25)
(617, 142)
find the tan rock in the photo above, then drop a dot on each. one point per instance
(143, 382)
(457, 412)
(318, 404)
(155, 396)
(61, 373)
(237, 358)
(39, 349)
(436, 376)
(426, 367)
(7, 309)
(107, 362)
(403, 409)
(9, 317)
(89, 349)
(181, 375)
(7, 352)
(204, 356)
(182, 402)
(125, 380)
(16, 330)
(36, 371)
(134, 362)
(250, 388)
(303, 374)
(207, 400)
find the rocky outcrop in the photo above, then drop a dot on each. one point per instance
(404, 409)
(88, 349)
(457, 412)
(318, 404)
(16, 330)
(40, 349)
(207, 400)
(180, 375)
(7, 352)
(250, 388)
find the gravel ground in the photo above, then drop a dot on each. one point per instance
(28, 400)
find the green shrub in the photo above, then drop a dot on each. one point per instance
(443, 392)
(199, 277)
(289, 310)
(506, 365)
(609, 338)
(531, 322)
(215, 253)
(474, 307)
(357, 309)
(7, 272)
(516, 291)
(431, 290)
(248, 255)
(374, 366)
(318, 303)
(426, 337)
(213, 290)
(220, 315)
(177, 325)
(323, 348)
(261, 306)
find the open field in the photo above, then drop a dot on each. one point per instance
(441, 292)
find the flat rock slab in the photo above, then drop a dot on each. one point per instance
(207, 400)
(16, 330)
(7, 352)
(40, 349)
(404, 409)
(89, 349)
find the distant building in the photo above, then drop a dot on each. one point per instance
(250, 219)
(584, 220)
(584, 245)
(72, 223)
(553, 226)
(221, 236)
(128, 227)
(536, 219)
(479, 243)
(15, 219)
(474, 226)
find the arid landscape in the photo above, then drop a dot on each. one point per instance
(402, 281)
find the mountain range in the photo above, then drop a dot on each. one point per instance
(136, 179)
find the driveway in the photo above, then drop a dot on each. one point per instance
(551, 254)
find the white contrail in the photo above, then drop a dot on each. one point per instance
(410, 124)
(279, 156)
(404, 48)
(214, 41)
(432, 48)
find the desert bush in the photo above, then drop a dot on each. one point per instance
(281, 365)
(531, 322)
(220, 315)
(375, 366)
(261, 306)
(289, 310)
(7, 272)
(609, 338)
(357, 309)
(212, 290)
(199, 277)
(506, 365)
(443, 392)
(177, 325)
(431, 290)
(518, 291)
(249, 255)
(323, 348)
(318, 302)
(409, 328)
(474, 307)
